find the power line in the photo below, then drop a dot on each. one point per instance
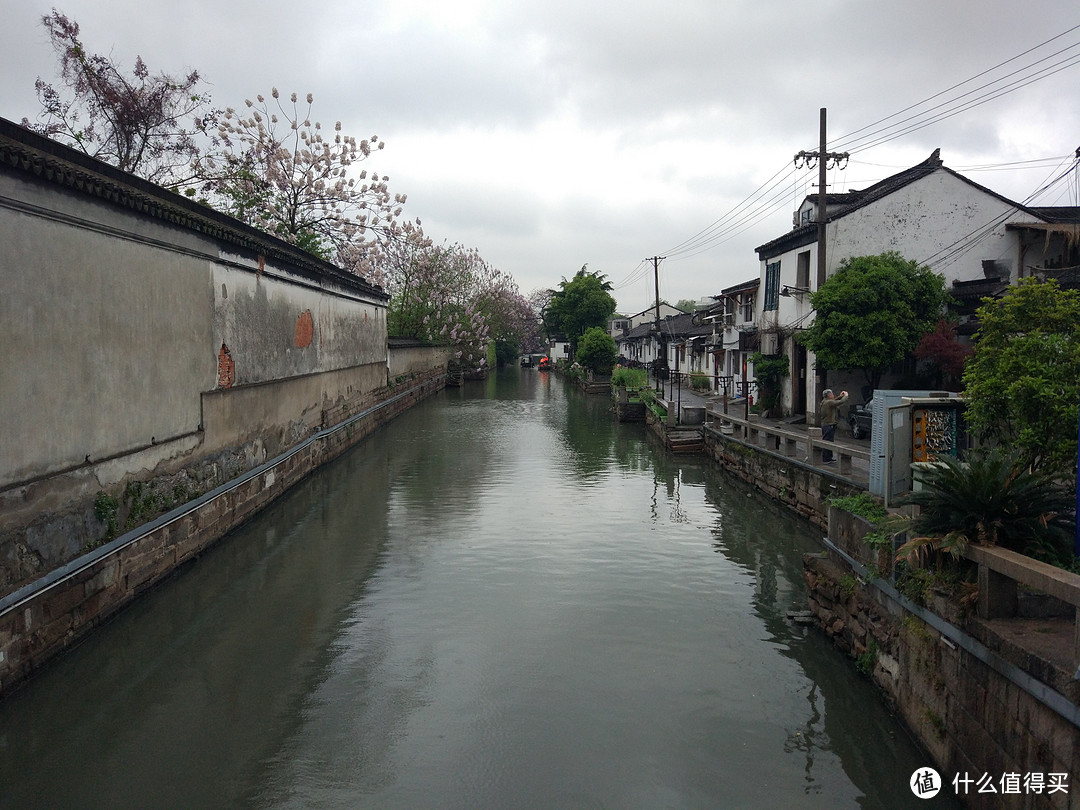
(978, 101)
(739, 218)
(759, 204)
(969, 80)
(635, 274)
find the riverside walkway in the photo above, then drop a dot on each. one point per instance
(791, 437)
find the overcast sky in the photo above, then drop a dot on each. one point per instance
(557, 133)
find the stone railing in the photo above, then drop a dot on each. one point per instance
(1001, 572)
(803, 445)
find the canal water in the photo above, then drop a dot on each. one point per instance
(504, 599)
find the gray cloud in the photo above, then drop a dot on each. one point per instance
(549, 134)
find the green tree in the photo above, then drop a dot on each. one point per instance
(581, 303)
(686, 304)
(596, 350)
(872, 313)
(1021, 384)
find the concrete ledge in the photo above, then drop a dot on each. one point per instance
(1041, 576)
(692, 415)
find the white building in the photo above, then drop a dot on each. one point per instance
(621, 324)
(928, 213)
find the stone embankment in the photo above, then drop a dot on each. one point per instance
(986, 694)
(987, 677)
(43, 618)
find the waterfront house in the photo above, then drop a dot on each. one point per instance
(928, 213)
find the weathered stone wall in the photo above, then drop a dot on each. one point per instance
(799, 486)
(43, 618)
(155, 350)
(406, 357)
(946, 674)
(169, 371)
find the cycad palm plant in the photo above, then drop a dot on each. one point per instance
(991, 499)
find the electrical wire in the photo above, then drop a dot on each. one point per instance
(739, 219)
(887, 136)
(977, 76)
(753, 209)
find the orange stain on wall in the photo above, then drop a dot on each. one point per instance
(305, 329)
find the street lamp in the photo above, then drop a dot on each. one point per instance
(788, 292)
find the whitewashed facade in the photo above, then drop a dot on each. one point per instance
(929, 214)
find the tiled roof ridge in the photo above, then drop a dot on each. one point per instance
(23, 150)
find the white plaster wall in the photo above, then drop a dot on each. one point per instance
(256, 315)
(925, 219)
(114, 326)
(103, 350)
(922, 221)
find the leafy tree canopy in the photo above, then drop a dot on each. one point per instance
(596, 350)
(1022, 383)
(578, 304)
(944, 351)
(872, 312)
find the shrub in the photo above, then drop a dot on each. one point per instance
(630, 377)
(596, 350)
(863, 504)
(769, 370)
(994, 499)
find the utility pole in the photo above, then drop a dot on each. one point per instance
(824, 160)
(659, 335)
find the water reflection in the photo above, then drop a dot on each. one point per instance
(505, 599)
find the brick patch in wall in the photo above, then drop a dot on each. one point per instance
(226, 368)
(305, 329)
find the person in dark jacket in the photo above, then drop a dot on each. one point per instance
(830, 404)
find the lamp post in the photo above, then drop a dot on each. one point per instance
(745, 392)
(789, 291)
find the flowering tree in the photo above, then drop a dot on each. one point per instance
(131, 122)
(513, 323)
(277, 170)
(449, 294)
(433, 294)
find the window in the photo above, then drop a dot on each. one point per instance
(772, 286)
(748, 306)
(802, 272)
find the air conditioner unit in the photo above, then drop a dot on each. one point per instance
(770, 343)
